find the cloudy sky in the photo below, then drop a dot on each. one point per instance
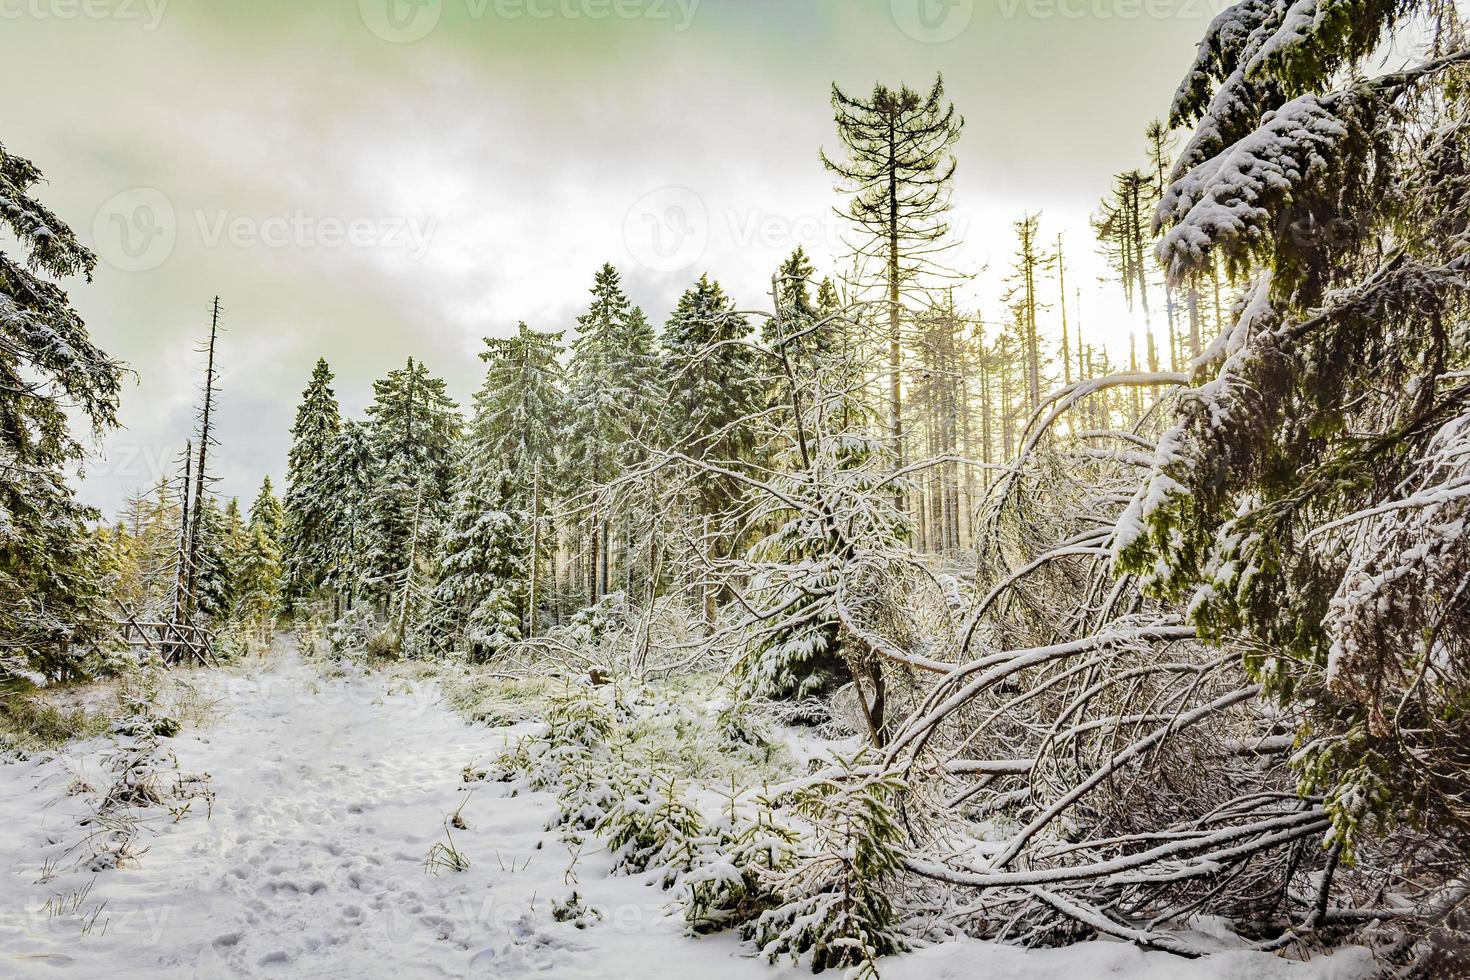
(371, 179)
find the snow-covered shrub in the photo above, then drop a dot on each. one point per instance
(835, 901)
(358, 629)
(580, 759)
(143, 772)
(583, 719)
(591, 785)
(652, 828)
(527, 760)
(741, 722)
(742, 854)
(590, 626)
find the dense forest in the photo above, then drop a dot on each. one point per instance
(1086, 649)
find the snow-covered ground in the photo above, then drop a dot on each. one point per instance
(329, 794)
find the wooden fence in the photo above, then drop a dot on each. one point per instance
(176, 641)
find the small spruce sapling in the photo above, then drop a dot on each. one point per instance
(836, 906)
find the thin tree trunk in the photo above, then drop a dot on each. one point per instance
(181, 573)
(203, 460)
(535, 547)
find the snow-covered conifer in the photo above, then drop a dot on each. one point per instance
(715, 383)
(308, 536)
(1311, 474)
(49, 368)
(415, 431)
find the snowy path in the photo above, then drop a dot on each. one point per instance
(329, 795)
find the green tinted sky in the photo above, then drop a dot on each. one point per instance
(368, 180)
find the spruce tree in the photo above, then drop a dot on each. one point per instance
(1307, 499)
(812, 333)
(593, 378)
(124, 553)
(307, 539)
(214, 590)
(612, 398)
(520, 408)
(266, 512)
(488, 560)
(479, 605)
(257, 579)
(55, 602)
(152, 520)
(715, 386)
(233, 533)
(415, 430)
(342, 492)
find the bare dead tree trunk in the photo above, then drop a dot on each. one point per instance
(199, 474)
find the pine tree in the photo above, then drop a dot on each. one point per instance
(341, 491)
(415, 430)
(257, 579)
(255, 591)
(498, 539)
(214, 591)
(833, 906)
(810, 321)
(1122, 230)
(153, 520)
(520, 407)
(267, 513)
(938, 395)
(1023, 297)
(479, 605)
(899, 170)
(124, 557)
(49, 367)
(611, 381)
(234, 532)
(194, 543)
(715, 386)
(308, 537)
